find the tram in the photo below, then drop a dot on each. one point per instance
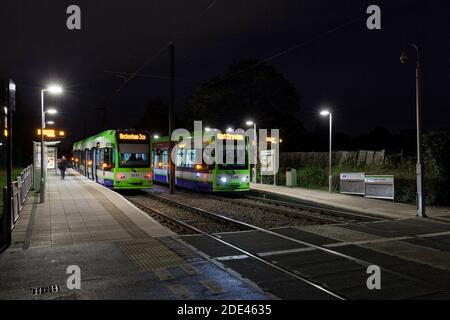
(221, 176)
(117, 159)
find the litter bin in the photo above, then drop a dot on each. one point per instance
(291, 177)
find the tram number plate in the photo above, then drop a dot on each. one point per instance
(235, 177)
(134, 175)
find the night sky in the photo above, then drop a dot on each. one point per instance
(333, 60)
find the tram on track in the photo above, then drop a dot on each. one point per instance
(117, 159)
(221, 176)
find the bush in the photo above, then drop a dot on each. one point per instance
(312, 177)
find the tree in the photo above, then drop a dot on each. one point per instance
(437, 166)
(259, 93)
(436, 146)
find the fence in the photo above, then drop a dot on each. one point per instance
(21, 187)
(359, 158)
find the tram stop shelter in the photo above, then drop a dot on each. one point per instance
(50, 160)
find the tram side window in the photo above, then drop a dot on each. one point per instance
(190, 158)
(87, 155)
(181, 155)
(155, 159)
(97, 158)
(106, 156)
(186, 158)
(165, 157)
(101, 156)
(160, 158)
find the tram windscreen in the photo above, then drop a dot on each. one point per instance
(234, 158)
(136, 155)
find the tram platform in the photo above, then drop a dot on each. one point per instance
(375, 207)
(120, 251)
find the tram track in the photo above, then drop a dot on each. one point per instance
(296, 204)
(257, 256)
(315, 213)
(256, 214)
(285, 271)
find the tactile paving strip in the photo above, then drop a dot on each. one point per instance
(150, 254)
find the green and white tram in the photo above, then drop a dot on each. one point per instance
(217, 177)
(117, 159)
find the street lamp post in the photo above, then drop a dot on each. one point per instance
(255, 149)
(53, 90)
(419, 165)
(330, 177)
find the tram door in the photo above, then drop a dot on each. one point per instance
(96, 163)
(91, 167)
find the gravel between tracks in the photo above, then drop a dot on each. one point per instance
(203, 223)
(255, 216)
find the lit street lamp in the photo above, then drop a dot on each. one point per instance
(51, 111)
(255, 149)
(419, 165)
(50, 122)
(325, 113)
(53, 89)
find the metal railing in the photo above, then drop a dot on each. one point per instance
(20, 190)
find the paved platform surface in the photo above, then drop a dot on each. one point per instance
(122, 253)
(381, 208)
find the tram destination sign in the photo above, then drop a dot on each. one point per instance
(132, 136)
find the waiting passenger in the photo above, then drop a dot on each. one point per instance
(62, 167)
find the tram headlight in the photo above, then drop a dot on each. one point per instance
(223, 179)
(245, 179)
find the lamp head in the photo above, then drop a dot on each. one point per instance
(55, 89)
(324, 113)
(403, 56)
(51, 111)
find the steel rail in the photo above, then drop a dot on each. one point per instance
(304, 243)
(301, 204)
(243, 251)
(279, 210)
